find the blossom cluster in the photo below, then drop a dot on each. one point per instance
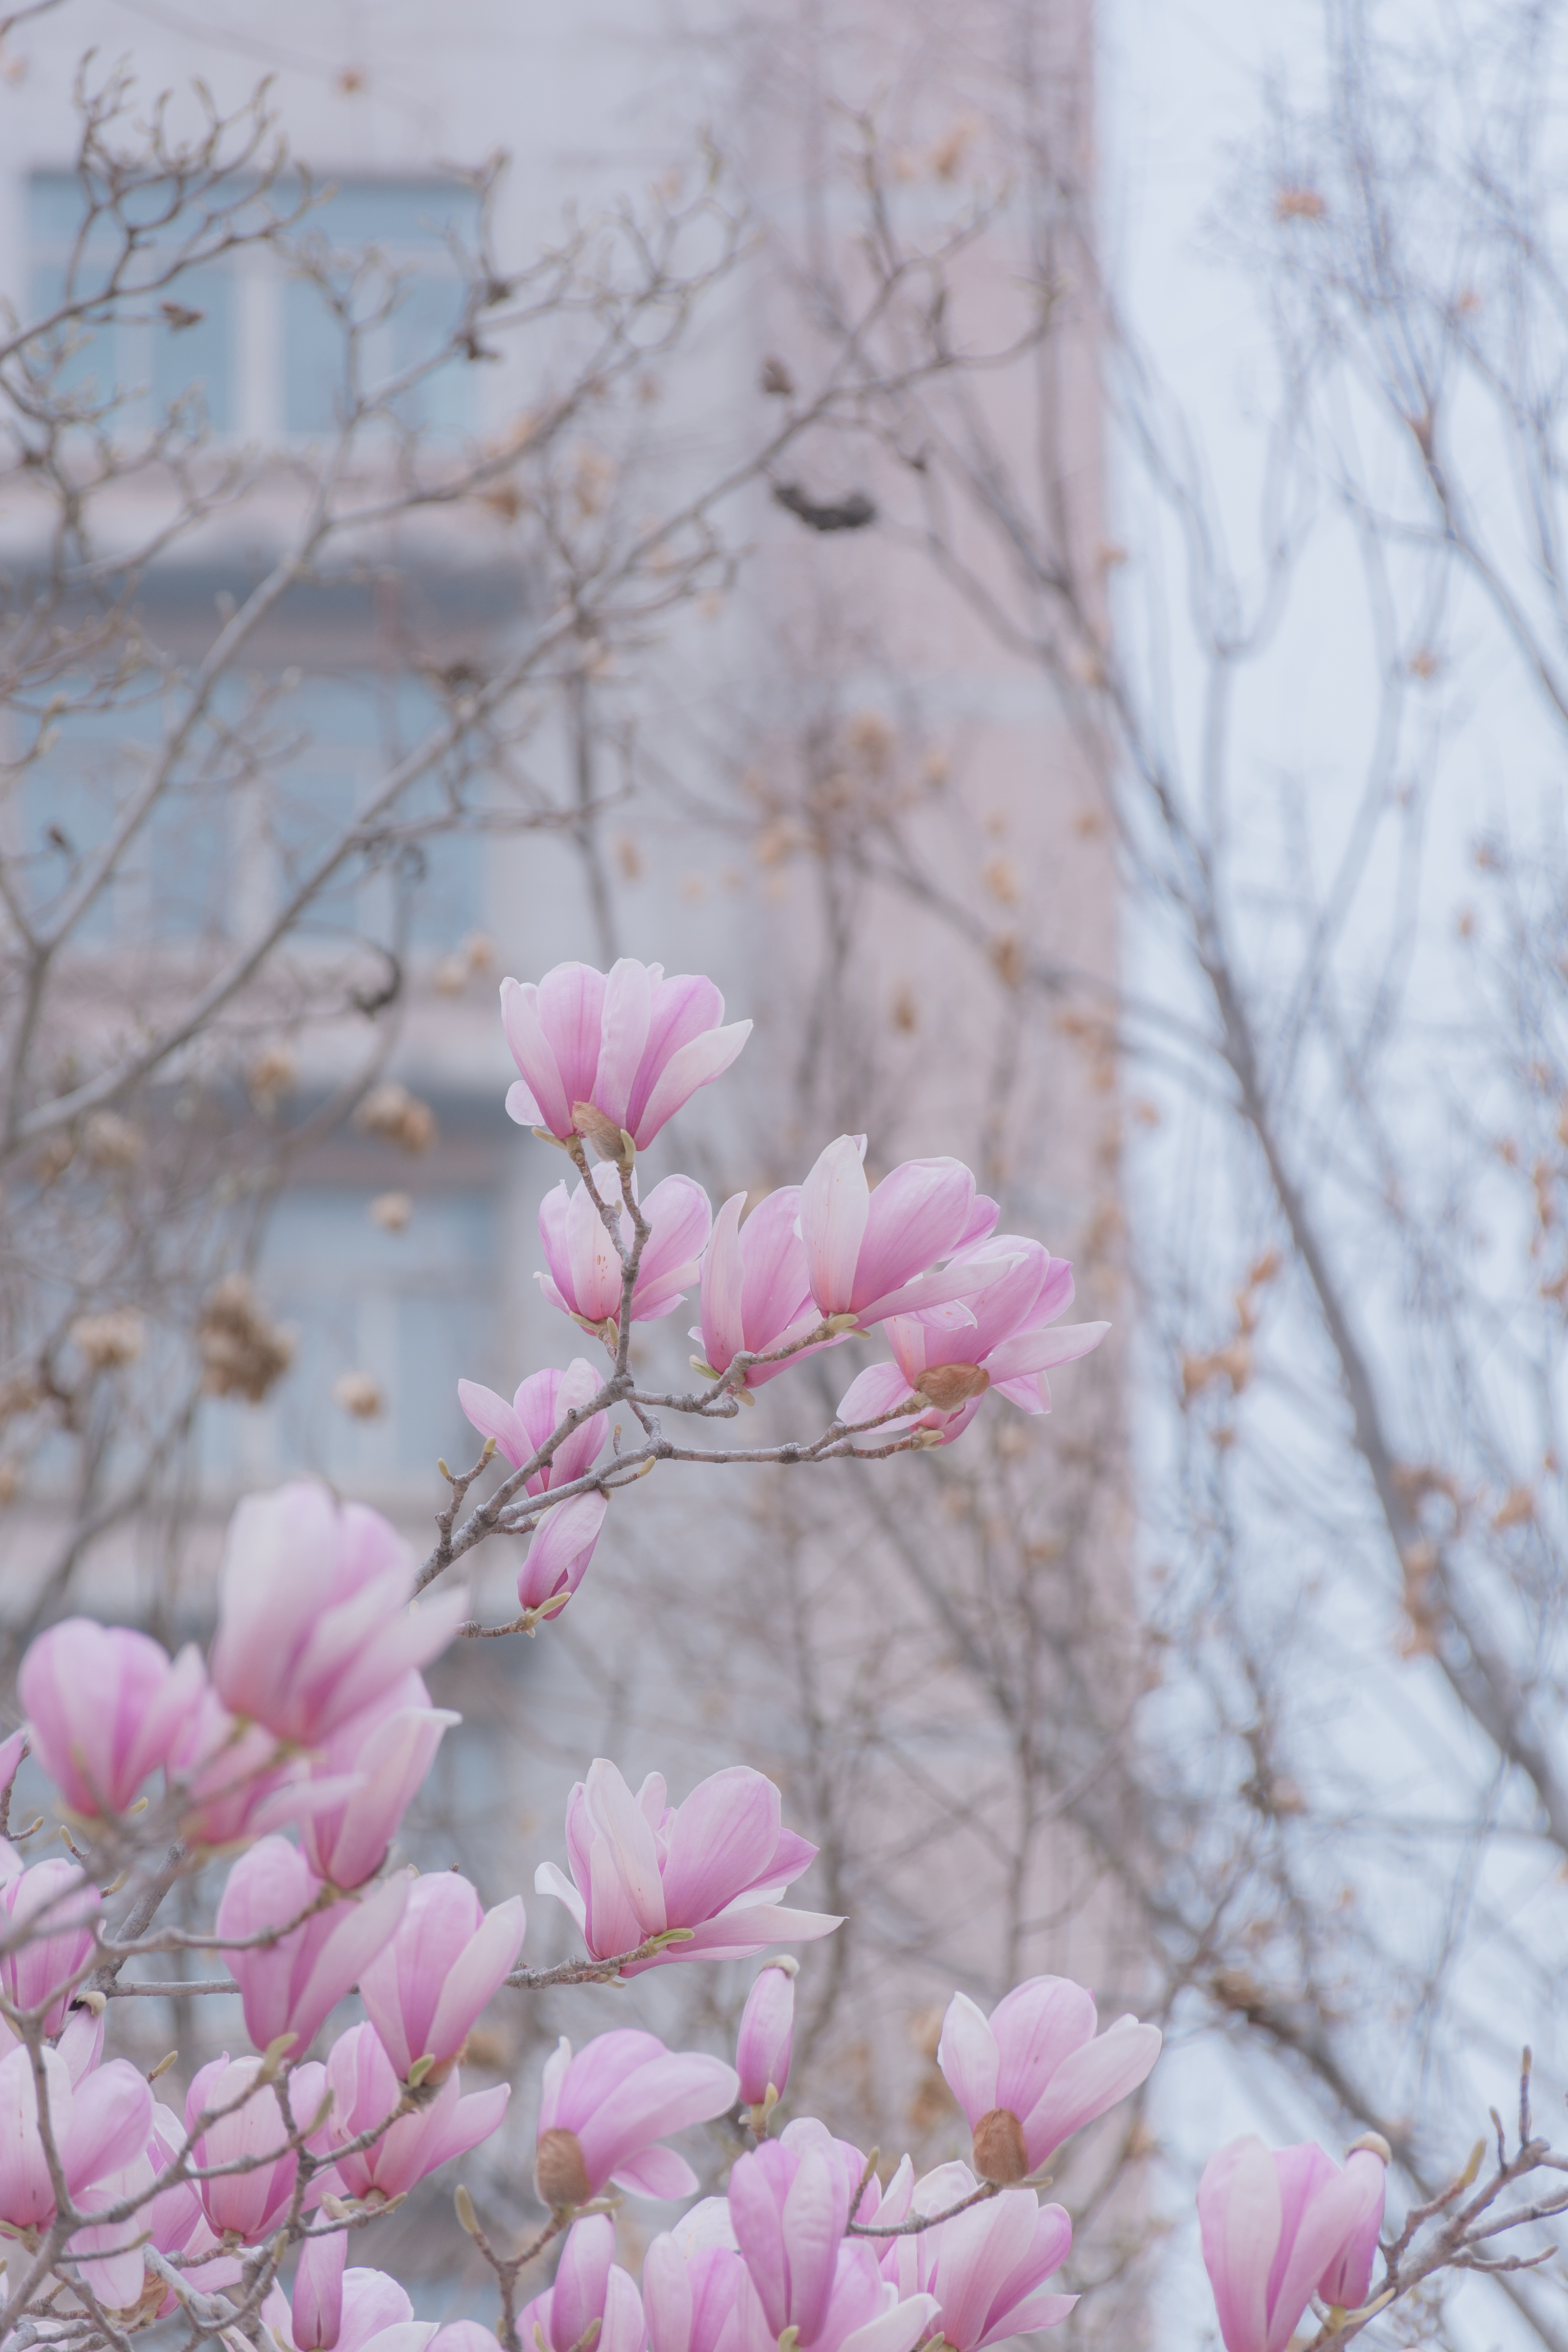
(292, 1750)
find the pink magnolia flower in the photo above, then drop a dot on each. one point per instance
(869, 1253)
(987, 2268)
(105, 1707)
(291, 1986)
(629, 1044)
(247, 2123)
(584, 1271)
(588, 2287)
(378, 1759)
(1277, 2224)
(563, 1544)
(100, 2131)
(172, 2217)
(365, 2090)
(716, 1864)
(313, 1621)
(371, 2303)
(448, 1956)
(54, 1901)
(790, 2202)
(601, 2113)
(1033, 2073)
(767, 2033)
(756, 1285)
(535, 1414)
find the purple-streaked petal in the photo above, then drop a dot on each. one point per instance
(722, 1839)
(561, 1548)
(535, 1057)
(1239, 2219)
(624, 1027)
(493, 1417)
(695, 1064)
(968, 2057)
(723, 1287)
(571, 1004)
(917, 1214)
(1039, 1351)
(834, 1205)
(656, 2172)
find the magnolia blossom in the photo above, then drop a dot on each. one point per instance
(869, 1253)
(790, 2202)
(58, 1896)
(542, 1403)
(378, 1760)
(987, 2268)
(997, 1337)
(100, 2130)
(601, 2113)
(366, 2092)
(247, 2123)
(313, 1621)
(588, 2287)
(291, 1986)
(628, 1046)
(105, 1707)
(557, 1558)
(584, 1277)
(767, 2033)
(715, 1865)
(1033, 2073)
(756, 1286)
(448, 1956)
(1276, 2224)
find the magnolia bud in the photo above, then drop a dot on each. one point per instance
(597, 1127)
(1373, 2141)
(999, 2152)
(947, 1386)
(560, 2172)
(767, 2029)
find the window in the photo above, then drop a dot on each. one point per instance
(264, 357)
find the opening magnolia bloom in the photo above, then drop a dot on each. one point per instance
(628, 1043)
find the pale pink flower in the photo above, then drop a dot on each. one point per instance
(291, 1986)
(313, 1618)
(588, 2286)
(986, 2269)
(100, 2131)
(387, 1751)
(448, 1958)
(790, 2202)
(41, 1973)
(767, 2033)
(105, 1707)
(172, 2215)
(366, 2090)
(756, 1287)
(869, 1253)
(715, 1865)
(537, 1410)
(584, 1271)
(632, 1044)
(601, 2113)
(1033, 2073)
(1275, 2223)
(562, 1546)
(1001, 1328)
(247, 2123)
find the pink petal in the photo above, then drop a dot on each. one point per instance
(724, 1286)
(720, 1840)
(625, 1827)
(1239, 2218)
(695, 1064)
(571, 1014)
(742, 1933)
(967, 2055)
(531, 1051)
(1088, 2081)
(1039, 1351)
(656, 2172)
(624, 1027)
(522, 1107)
(493, 1417)
(561, 1550)
(875, 1390)
(917, 1214)
(835, 1204)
